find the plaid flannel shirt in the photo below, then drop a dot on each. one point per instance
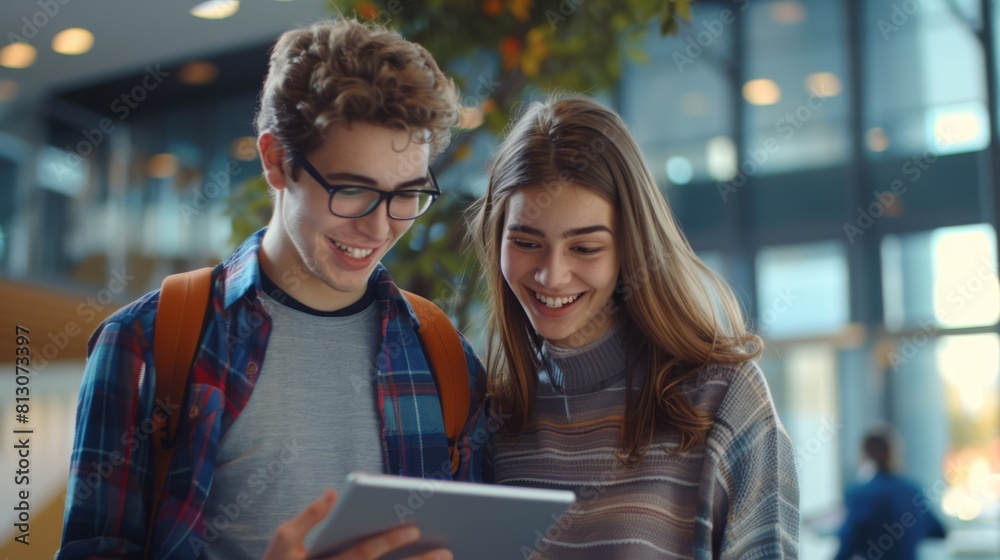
(111, 473)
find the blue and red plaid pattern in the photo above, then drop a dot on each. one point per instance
(111, 474)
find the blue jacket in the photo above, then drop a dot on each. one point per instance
(886, 519)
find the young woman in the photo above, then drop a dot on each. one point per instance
(623, 369)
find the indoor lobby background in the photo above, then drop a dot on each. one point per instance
(835, 160)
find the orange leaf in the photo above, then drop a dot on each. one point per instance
(493, 8)
(366, 10)
(520, 8)
(510, 52)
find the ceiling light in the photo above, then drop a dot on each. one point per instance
(761, 92)
(18, 55)
(198, 73)
(959, 128)
(679, 170)
(8, 90)
(216, 9)
(877, 140)
(162, 166)
(720, 155)
(788, 13)
(823, 84)
(75, 40)
(243, 148)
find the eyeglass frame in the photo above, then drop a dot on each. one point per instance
(382, 195)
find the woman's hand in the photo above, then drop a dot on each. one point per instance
(288, 540)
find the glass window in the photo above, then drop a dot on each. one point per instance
(969, 366)
(157, 192)
(944, 400)
(924, 84)
(796, 136)
(940, 279)
(924, 109)
(796, 87)
(678, 103)
(803, 380)
(802, 290)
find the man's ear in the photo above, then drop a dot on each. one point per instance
(272, 158)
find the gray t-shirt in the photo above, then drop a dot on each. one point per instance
(309, 423)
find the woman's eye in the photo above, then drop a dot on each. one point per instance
(588, 250)
(523, 244)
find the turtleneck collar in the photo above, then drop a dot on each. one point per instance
(592, 367)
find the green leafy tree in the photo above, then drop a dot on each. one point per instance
(513, 47)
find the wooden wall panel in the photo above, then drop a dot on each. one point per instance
(60, 322)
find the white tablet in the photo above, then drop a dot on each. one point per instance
(474, 521)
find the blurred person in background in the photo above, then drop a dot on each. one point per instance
(623, 362)
(350, 117)
(887, 515)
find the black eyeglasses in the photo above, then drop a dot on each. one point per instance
(356, 201)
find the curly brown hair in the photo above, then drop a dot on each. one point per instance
(343, 71)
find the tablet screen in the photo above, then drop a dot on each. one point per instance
(476, 521)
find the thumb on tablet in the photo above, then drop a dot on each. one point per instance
(287, 542)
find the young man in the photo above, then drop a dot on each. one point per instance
(309, 365)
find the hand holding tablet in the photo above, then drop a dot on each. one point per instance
(287, 543)
(473, 521)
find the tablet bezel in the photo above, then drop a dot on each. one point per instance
(511, 510)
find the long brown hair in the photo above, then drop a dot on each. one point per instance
(678, 313)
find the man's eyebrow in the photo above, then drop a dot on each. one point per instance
(570, 233)
(418, 182)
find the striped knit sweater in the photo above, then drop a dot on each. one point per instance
(734, 497)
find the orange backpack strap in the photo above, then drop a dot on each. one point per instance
(180, 314)
(446, 356)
